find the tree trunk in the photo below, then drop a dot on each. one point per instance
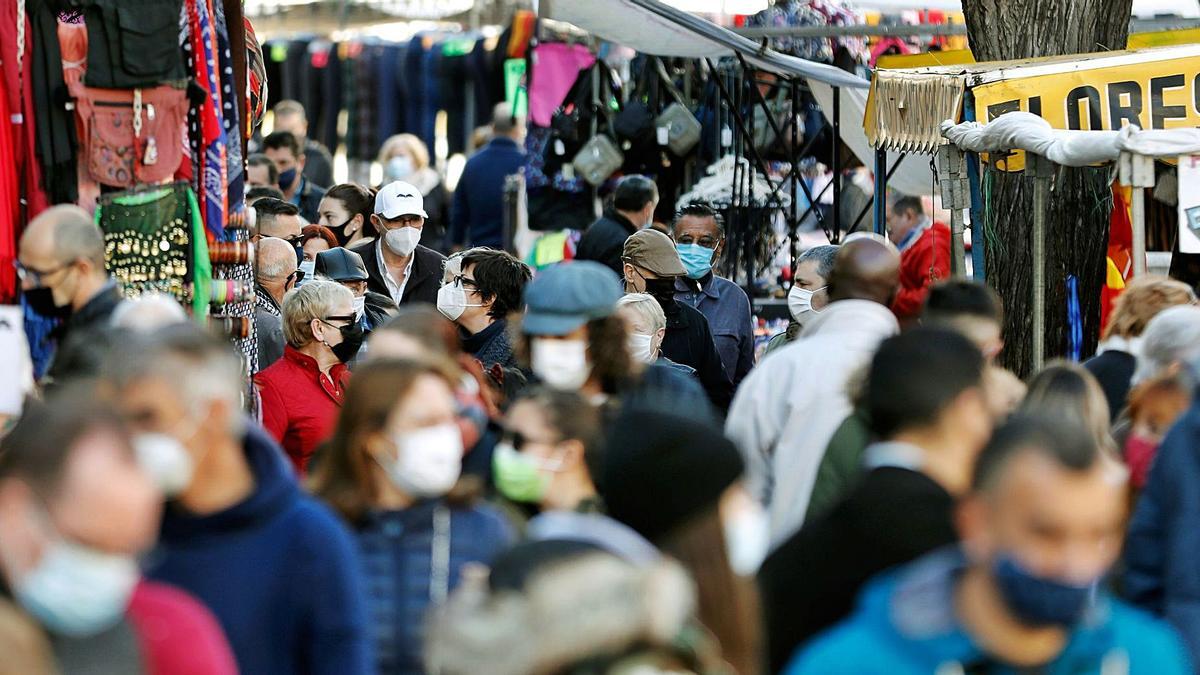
(1077, 216)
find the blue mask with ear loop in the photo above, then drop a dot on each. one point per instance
(696, 259)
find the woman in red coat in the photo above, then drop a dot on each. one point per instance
(302, 392)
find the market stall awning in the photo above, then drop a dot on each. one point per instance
(1151, 88)
(652, 27)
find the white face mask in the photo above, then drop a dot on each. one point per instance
(359, 304)
(403, 240)
(398, 168)
(799, 302)
(165, 460)
(561, 364)
(452, 301)
(641, 347)
(429, 461)
(309, 267)
(77, 591)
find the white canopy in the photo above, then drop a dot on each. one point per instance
(652, 27)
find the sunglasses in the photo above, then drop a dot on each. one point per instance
(298, 275)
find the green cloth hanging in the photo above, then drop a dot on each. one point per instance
(201, 264)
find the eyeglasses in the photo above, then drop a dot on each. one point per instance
(342, 317)
(406, 220)
(464, 282)
(295, 241)
(36, 277)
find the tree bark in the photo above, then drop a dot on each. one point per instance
(1077, 217)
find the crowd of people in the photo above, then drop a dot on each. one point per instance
(448, 463)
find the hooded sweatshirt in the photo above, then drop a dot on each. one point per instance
(906, 625)
(278, 570)
(788, 408)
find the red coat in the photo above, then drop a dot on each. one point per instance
(300, 404)
(177, 634)
(926, 261)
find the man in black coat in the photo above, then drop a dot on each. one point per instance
(925, 397)
(651, 265)
(634, 201)
(397, 266)
(62, 273)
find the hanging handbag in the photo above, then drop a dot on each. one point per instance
(133, 44)
(572, 122)
(598, 159)
(634, 124)
(677, 127)
(132, 136)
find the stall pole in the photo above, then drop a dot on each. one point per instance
(952, 185)
(881, 177)
(977, 215)
(1042, 170)
(836, 166)
(1137, 171)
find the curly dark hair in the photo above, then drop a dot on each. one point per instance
(612, 366)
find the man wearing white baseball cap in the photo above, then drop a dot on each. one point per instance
(397, 265)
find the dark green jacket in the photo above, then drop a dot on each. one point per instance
(841, 467)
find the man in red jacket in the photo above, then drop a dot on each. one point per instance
(924, 254)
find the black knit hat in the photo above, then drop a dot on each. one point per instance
(660, 470)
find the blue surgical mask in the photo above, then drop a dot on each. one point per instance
(286, 178)
(1038, 601)
(77, 591)
(697, 259)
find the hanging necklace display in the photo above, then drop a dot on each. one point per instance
(147, 239)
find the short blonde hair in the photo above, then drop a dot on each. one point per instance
(1141, 300)
(313, 300)
(406, 143)
(644, 306)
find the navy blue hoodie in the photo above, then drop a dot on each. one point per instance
(278, 570)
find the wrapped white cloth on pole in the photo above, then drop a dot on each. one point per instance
(1026, 131)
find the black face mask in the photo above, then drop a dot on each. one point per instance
(340, 233)
(352, 340)
(41, 301)
(663, 290)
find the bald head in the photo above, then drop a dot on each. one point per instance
(865, 269)
(276, 259)
(64, 234)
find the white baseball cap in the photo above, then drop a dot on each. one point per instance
(399, 199)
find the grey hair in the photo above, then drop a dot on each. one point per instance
(148, 312)
(1171, 337)
(646, 307)
(503, 119)
(201, 367)
(313, 300)
(823, 256)
(276, 258)
(76, 235)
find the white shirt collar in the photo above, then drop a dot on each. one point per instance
(396, 290)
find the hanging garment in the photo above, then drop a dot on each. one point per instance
(556, 68)
(133, 44)
(10, 208)
(210, 162)
(154, 242)
(16, 81)
(256, 82)
(57, 144)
